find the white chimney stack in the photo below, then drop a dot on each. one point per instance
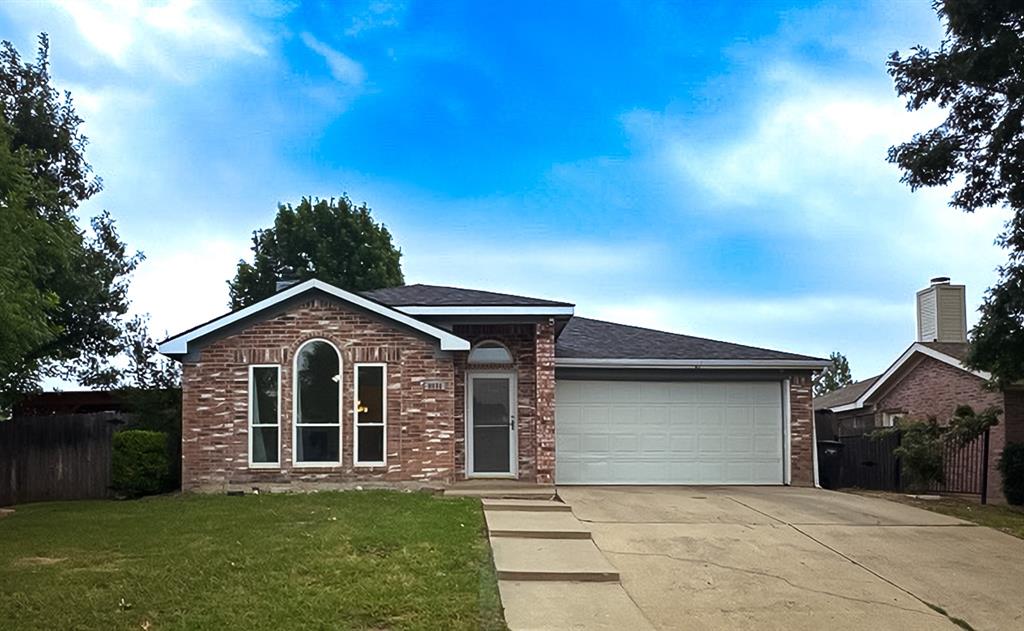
(942, 312)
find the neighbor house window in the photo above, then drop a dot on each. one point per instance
(264, 415)
(317, 439)
(370, 413)
(490, 353)
(890, 419)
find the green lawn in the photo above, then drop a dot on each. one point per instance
(355, 560)
(1009, 519)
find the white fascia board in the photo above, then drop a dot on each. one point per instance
(488, 311)
(179, 345)
(746, 364)
(844, 408)
(916, 347)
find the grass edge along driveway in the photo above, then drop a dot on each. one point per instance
(1001, 517)
(338, 560)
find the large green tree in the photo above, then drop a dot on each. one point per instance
(835, 376)
(977, 77)
(330, 239)
(62, 287)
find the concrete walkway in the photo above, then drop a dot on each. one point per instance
(788, 558)
(550, 573)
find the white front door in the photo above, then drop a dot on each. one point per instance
(491, 425)
(636, 432)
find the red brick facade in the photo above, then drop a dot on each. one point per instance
(425, 426)
(931, 388)
(801, 429)
(535, 396)
(420, 427)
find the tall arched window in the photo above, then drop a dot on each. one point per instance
(490, 352)
(317, 392)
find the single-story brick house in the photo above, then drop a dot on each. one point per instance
(316, 386)
(927, 380)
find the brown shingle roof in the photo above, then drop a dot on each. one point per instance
(440, 296)
(953, 349)
(844, 395)
(585, 338)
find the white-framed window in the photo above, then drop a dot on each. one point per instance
(370, 414)
(490, 352)
(890, 419)
(316, 405)
(265, 415)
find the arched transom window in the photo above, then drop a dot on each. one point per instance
(490, 352)
(317, 404)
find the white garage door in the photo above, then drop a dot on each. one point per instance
(633, 432)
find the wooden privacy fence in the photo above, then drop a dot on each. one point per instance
(56, 457)
(868, 463)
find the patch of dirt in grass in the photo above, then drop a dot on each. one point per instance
(111, 563)
(39, 560)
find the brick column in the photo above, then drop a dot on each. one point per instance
(545, 415)
(801, 427)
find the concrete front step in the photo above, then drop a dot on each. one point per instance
(556, 606)
(496, 504)
(535, 524)
(520, 559)
(502, 493)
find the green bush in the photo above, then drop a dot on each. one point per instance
(140, 465)
(1011, 465)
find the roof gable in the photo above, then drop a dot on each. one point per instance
(179, 344)
(936, 350)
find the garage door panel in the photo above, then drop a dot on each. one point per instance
(740, 444)
(710, 444)
(683, 444)
(652, 443)
(595, 443)
(684, 415)
(767, 445)
(610, 432)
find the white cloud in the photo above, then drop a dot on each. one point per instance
(814, 324)
(809, 168)
(182, 282)
(377, 14)
(343, 68)
(178, 39)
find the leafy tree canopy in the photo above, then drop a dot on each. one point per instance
(977, 77)
(333, 240)
(63, 287)
(835, 376)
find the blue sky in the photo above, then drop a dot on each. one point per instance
(714, 168)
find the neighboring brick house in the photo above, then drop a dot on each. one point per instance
(928, 380)
(317, 387)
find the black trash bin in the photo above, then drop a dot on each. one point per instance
(830, 457)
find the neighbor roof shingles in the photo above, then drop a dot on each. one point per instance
(844, 395)
(584, 338)
(440, 296)
(956, 350)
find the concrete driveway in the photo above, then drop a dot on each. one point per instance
(788, 558)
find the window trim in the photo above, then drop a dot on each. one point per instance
(308, 464)
(277, 462)
(355, 415)
(890, 419)
(476, 345)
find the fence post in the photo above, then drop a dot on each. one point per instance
(984, 469)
